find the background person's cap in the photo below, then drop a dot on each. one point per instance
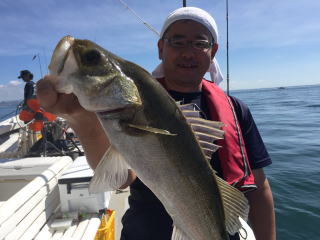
(24, 73)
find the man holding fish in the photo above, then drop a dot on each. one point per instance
(134, 134)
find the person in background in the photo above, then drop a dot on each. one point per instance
(187, 46)
(27, 77)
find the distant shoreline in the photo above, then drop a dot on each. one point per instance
(273, 88)
(11, 103)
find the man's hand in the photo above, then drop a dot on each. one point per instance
(85, 124)
(64, 105)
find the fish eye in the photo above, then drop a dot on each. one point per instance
(92, 56)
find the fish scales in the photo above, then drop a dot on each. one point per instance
(169, 165)
(145, 125)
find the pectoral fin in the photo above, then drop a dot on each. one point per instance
(152, 130)
(111, 172)
(178, 234)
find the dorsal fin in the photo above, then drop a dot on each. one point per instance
(216, 133)
(207, 152)
(197, 120)
(211, 146)
(206, 131)
(205, 137)
(189, 106)
(191, 114)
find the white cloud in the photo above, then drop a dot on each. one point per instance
(10, 91)
(15, 83)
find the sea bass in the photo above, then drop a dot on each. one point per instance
(150, 134)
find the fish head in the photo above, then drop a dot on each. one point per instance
(94, 75)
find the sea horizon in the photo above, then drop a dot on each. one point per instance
(18, 100)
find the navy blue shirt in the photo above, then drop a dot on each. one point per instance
(28, 90)
(146, 218)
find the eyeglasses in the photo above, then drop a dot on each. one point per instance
(202, 45)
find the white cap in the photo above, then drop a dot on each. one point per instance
(202, 17)
(195, 14)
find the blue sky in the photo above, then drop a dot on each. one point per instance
(272, 42)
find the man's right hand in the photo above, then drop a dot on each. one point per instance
(64, 105)
(85, 124)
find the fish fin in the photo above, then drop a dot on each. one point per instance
(214, 124)
(152, 130)
(191, 114)
(235, 205)
(209, 146)
(188, 106)
(178, 234)
(215, 133)
(111, 172)
(205, 137)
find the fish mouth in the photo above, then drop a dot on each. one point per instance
(60, 55)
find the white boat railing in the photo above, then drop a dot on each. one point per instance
(29, 209)
(23, 141)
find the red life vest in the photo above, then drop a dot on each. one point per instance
(232, 154)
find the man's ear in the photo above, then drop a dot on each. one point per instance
(160, 48)
(214, 50)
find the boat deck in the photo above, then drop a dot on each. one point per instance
(30, 201)
(77, 229)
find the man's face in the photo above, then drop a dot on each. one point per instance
(185, 67)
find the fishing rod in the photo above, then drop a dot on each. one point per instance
(45, 59)
(38, 56)
(144, 22)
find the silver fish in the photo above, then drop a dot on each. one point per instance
(150, 134)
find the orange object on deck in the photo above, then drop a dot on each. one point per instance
(32, 111)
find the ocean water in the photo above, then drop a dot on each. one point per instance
(7, 111)
(289, 122)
